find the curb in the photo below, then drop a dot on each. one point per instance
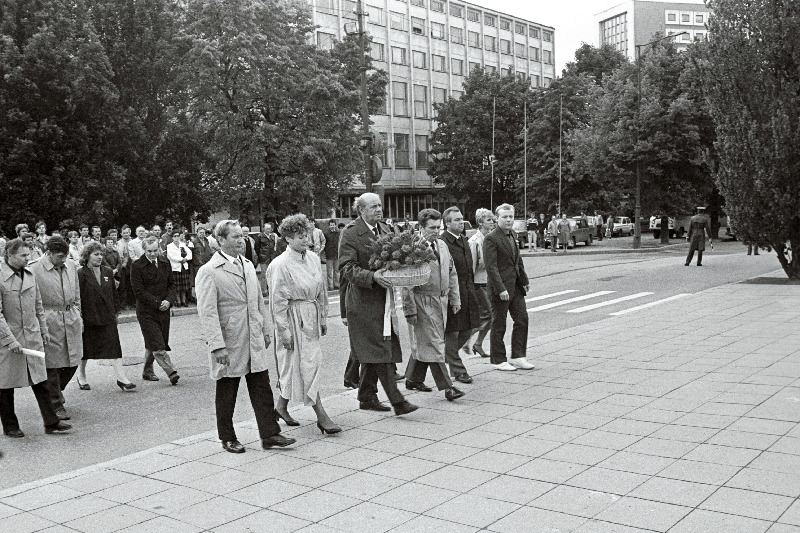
(601, 251)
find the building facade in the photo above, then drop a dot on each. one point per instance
(636, 22)
(428, 48)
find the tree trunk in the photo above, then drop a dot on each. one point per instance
(789, 259)
(665, 230)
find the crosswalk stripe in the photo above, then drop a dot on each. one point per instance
(569, 301)
(545, 296)
(610, 302)
(651, 304)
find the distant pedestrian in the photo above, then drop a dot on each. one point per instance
(36, 251)
(699, 226)
(266, 250)
(564, 231)
(111, 257)
(41, 236)
(598, 225)
(552, 229)
(74, 246)
(332, 254)
(541, 227)
(179, 256)
(610, 226)
(751, 247)
(532, 227)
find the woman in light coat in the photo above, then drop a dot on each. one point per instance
(179, 255)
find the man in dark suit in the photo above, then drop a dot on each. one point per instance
(508, 283)
(366, 300)
(151, 281)
(460, 325)
(699, 226)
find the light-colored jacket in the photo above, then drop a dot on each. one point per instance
(61, 299)
(478, 266)
(21, 323)
(174, 256)
(233, 316)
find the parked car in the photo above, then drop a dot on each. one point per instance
(579, 232)
(622, 226)
(677, 226)
(520, 228)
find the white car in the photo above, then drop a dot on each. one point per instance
(622, 226)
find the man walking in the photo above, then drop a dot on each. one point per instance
(151, 280)
(462, 322)
(266, 250)
(235, 324)
(366, 301)
(699, 226)
(532, 227)
(332, 254)
(57, 279)
(507, 286)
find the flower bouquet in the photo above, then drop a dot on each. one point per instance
(402, 259)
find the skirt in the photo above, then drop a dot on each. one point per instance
(101, 342)
(181, 280)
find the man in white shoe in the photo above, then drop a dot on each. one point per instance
(507, 285)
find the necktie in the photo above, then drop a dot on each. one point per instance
(435, 252)
(376, 231)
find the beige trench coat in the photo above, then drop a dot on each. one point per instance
(233, 316)
(21, 321)
(62, 312)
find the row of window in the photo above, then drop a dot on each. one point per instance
(419, 59)
(402, 151)
(683, 17)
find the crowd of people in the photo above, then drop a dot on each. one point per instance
(56, 313)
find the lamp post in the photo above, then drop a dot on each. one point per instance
(637, 214)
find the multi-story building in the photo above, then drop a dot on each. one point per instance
(636, 21)
(428, 48)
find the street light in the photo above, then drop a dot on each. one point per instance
(637, 215)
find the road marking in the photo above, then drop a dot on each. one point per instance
(571, 300)
(610, 302)
(537, 298)
(651, 304)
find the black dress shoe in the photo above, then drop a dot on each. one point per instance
(398, 376)
(373, 405)
(61, 426)
(350, 384)
(84, 386)
(150, 377)
(404, 407)
(233, 446)
(62, 414)
(464, 378)
(173, 378)
(276, 440)
(417, 385)
(453, 394)
(15, 433)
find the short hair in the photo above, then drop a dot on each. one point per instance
(201, 228)
(428, 214)
(482, 214)
(149, 241)
(124, 227)
(19, 227)
(295, 225)
(137, 229)
(41, 223)
(168, 221)
(332, 221)
(83, 226)
(72, 234)
(223, 227)
(57, 245)
(361, 201)
(449, 211)
(13, 246)
(88, 249)
(270, 224)
(341, 225)
(503, 207)
(155, 226)
(96, 227)
(176, 232)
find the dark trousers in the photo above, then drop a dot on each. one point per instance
(260, 398)
(519, 334)
(691, 256)
(416, 371)
(368, 387)
(453, 341)
(57, 380)
(485, 312)
(553, 243)
(125, 290)
(352, 371)
(163, 361)
(9, 417)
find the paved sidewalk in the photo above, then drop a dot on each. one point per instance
(683, 418)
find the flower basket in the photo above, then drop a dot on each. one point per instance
(409, 276)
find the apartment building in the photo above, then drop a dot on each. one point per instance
(428, 47)
(636, 21)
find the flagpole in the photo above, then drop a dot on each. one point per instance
(491, 187)
(525, 161)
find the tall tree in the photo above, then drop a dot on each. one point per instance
(751, 67)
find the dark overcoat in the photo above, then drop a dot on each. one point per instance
(151, 286)
(365, 299)
(504, 266)
(99, 303)
(698, 227)
(469, 316)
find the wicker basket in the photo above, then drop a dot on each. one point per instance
(409, 276)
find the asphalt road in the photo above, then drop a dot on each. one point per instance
(109, 423)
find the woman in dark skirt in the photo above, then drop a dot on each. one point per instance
(99, 307)
(180, 256)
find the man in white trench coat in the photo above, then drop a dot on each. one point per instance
(235, 325)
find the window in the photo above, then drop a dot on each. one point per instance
(672, 17)
(699, 35)
(439, 95)
(473, 66)
(458, 94)
(421, 146)
(399, 56)
(474, 39)
(505, 24)
(490, 69)
(686, 37)
(376, 51)
(490, 43)
(401, 150)
(456, 35)
(437, 30)
(548, 36)
(535, 80)
(326, 6)
(698, 19)
(457, 67)
(418, 26)
(534, 53)
(348, 7)
(685, 17)
(614, 32)
(384, 156)
(374, 15)
(519, 49)
(547, 55)
(325, 40)
(473, 16)
(420, 3)
(419, 59)
(489, 20)
(521, 75)
(456, 11)
(547, 82)
(519, 28)
(505, 46)
(399, 98)
(437, 5)
(505, 71)
(438, 63)
(397, 21)
(420, 101)
(534, 33)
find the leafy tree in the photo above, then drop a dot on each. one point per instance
(595, 62)
(751, 67)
